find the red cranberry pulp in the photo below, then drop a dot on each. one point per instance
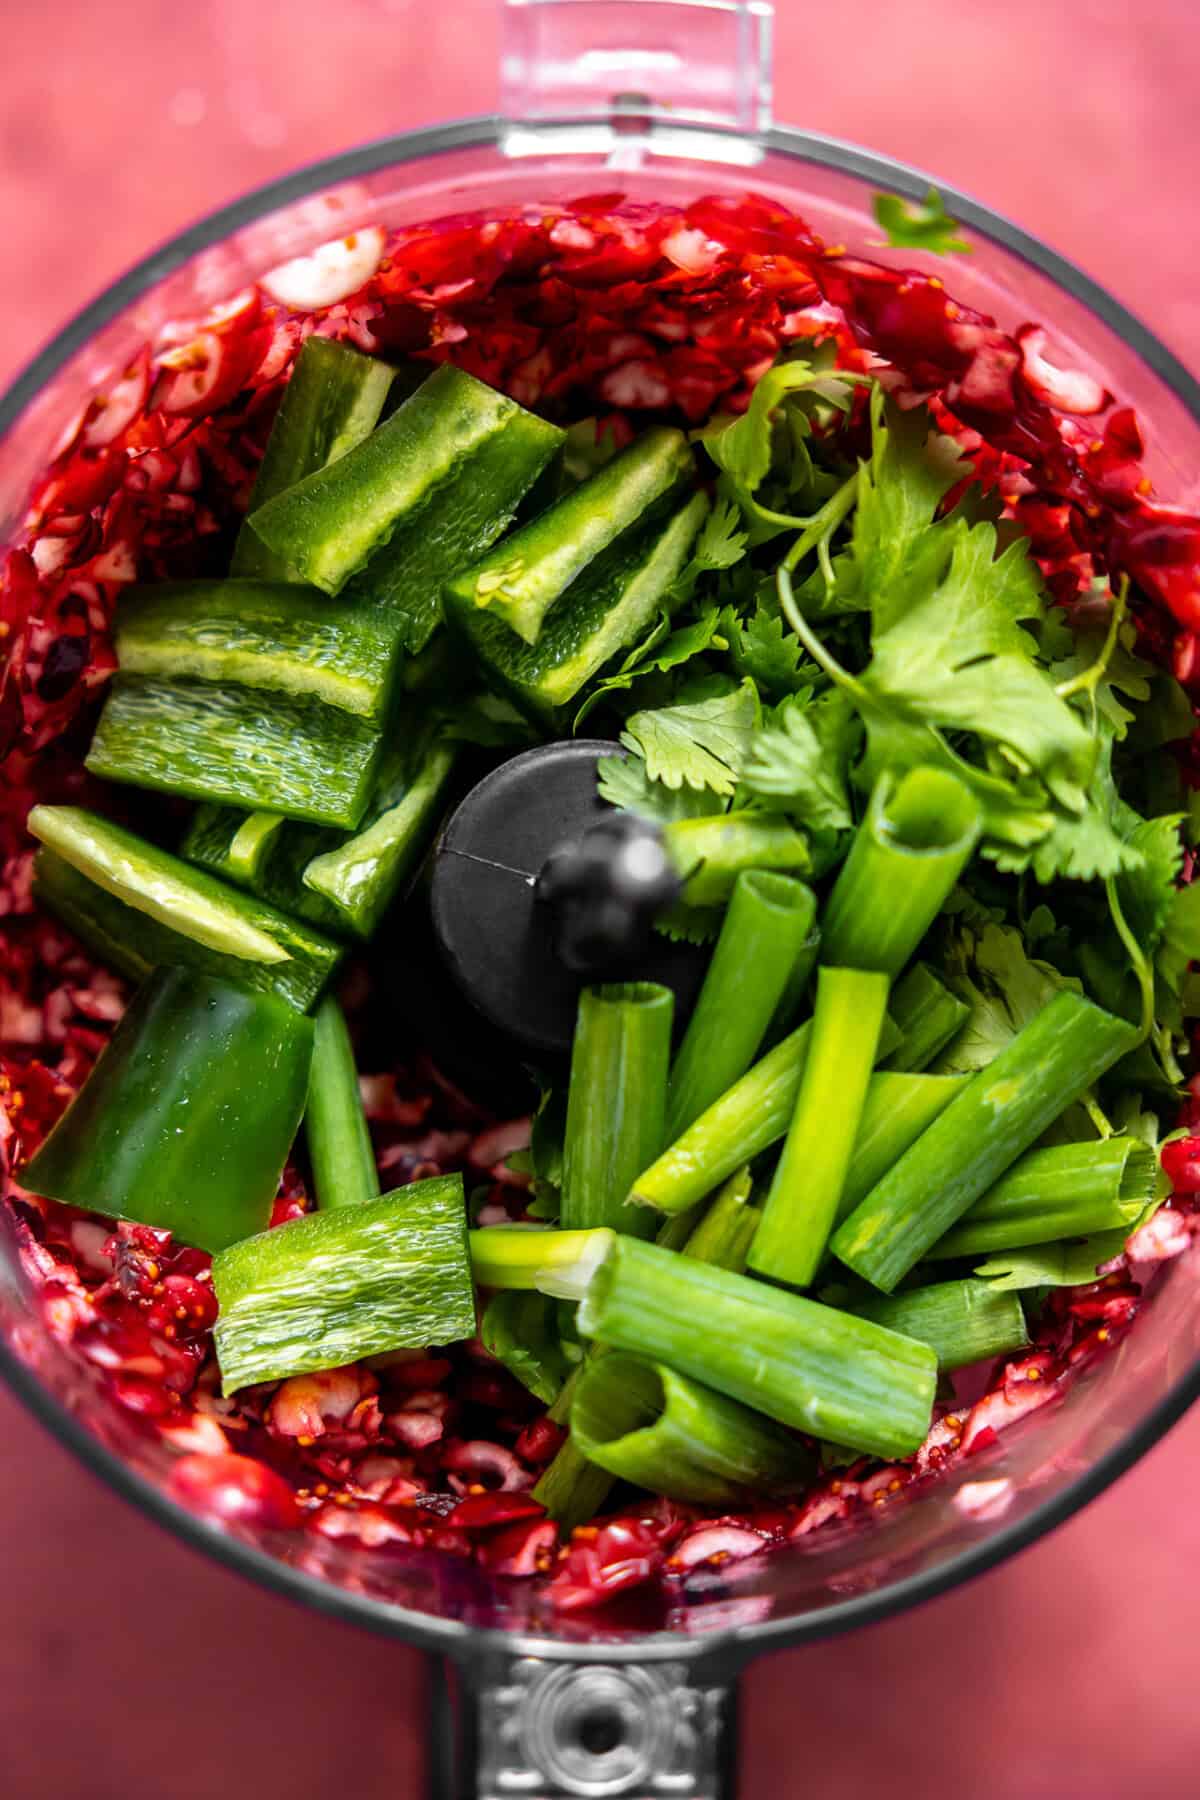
(635, 313)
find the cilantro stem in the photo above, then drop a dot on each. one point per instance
(816, 649)
(1137, 960)
(1089, 679)
(820, 526)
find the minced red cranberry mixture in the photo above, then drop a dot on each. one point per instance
(637, 312)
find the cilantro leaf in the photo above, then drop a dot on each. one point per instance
(900, 487)
(722, 542)
(625, 783)
(1089, 846)
(659, 652)
(802, 759)
(767, 467)
(1004, 988)
(1124, 673)
(1148, 891)
(741, 445)
(1012, 815)
(1058, 1265)
(701, 743)
(685, 924)
(955, 655)
(490, 721)
(911, 225)
(769, 654)
(1179, 946)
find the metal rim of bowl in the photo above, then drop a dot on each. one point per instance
(426, 1630)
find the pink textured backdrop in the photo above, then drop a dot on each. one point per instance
(129, 1669)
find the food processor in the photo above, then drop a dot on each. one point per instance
(658, 99)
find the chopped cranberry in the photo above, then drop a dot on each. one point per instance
(540, 1442)
(480, 1511)
(604, 1561)
(235, 1490)
(522, 1549)
(1181, 1164)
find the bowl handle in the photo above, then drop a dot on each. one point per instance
(643, 62)
(505, 1726)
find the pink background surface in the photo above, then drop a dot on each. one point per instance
(129, 1668)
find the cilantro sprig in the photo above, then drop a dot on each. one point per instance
(917, 225)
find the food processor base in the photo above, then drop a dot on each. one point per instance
(512, 1726)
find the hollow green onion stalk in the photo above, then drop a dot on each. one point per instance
(898, 1109)
(765, 927)
(571, 1488)
(753, 1115)
(803, 1364)
(917, 836)
(616, 1102)
(802, 1204)
(1000, 1113)
(647, 1424)
(725, 1232)
(963, 1322)
(928, 1016)
(1064, 1191)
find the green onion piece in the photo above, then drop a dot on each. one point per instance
(898, 1109)
(711, 853)
(534, 1256)
(768, 919)
(647, 1424)
(963, 1322)
(752, 1116)
(802, 1204)
(912, 846)
(1065, 1191)
(571, 1489)
(339, 1143)
(616, 1102)
(928, 1015)
(327, 1289)
(724, 1233)
(795, 991)
(1000, 1113)
(677, 1228)
(521, 1331)
(801, 1363)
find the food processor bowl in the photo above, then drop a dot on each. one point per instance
(662, 100)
